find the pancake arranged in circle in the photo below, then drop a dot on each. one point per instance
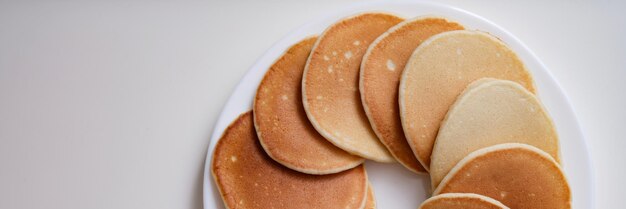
(439, 70)
(462, 201)
(490, 112)
(247, 178)
(518, 175)
(331, 81)
(283, 129)
(379, 77)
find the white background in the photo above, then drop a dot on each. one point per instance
(110, 104)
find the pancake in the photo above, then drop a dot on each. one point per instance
(487, 113)
(247, 178)
(518, 175)
(331, 80)
(438, 71)
(461, 201)
(370, 202)
(379, 77)
(283, 129)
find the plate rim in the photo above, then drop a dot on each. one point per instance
(353, 8)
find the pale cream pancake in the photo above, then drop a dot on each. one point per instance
(370, 203)
(247, 178)
(331, 81)
(462, 201)
(438, 71)
(380, 73)
(490, 112)
(283, 129)
(518, 175)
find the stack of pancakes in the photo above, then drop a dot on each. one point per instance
(441, 100)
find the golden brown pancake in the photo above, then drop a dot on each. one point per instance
(490, 112)
(331, 80)
(438, 71)
(461, 201)
(248, 178)
(283, 129)
(370, 203)
(380, 73)
(518, 175)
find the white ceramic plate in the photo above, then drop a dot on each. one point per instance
(394, 186)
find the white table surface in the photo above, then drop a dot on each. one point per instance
(109, 104)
